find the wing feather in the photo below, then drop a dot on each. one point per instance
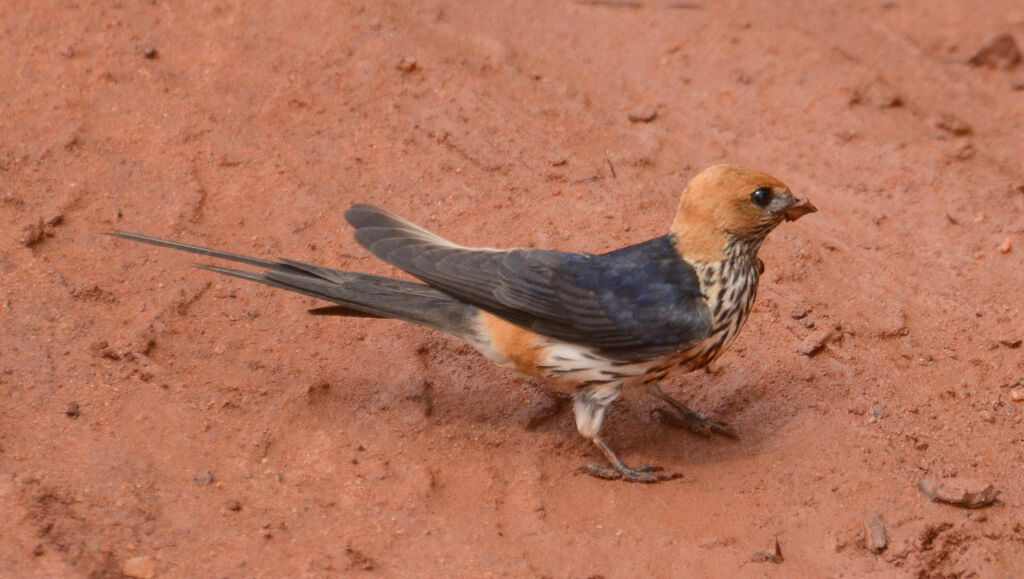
(640, 301)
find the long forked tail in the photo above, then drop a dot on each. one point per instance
(354, 293)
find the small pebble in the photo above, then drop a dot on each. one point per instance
(964, 153)
(140, 567)
(204, 478)
(952, 124)
(642, 114)
(1016, 395)
(1000, 52)
(1006, 245)
(960, 492)
(874, 533)
(815, 342)
(147, 51)
(987, 416)
(407, 64)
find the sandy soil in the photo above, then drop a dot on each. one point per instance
(159, 420)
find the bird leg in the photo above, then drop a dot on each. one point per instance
(681, 416)
(589, 406)
(647, 473)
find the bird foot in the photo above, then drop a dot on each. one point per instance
(683, 417)
(643, 474)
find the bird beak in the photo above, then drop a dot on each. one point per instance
(799, 209)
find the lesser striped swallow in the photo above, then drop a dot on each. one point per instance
(594, 323)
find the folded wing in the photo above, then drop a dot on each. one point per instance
(636, 302)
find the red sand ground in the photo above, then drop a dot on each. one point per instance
(337, 445)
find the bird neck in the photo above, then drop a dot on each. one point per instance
(743, 248)
(697, 241)
(710, 246)
(730, 285)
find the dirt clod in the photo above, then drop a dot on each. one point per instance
(815, 342)
(875, 538)
(319, 393)
(893, 323)
(147, 50)
(140, 567)
(642, 115)
(960, 492)
(358, 560)
(38, 230)
(32, 234)
(1001, 52)
(407, 64)
(202, 479)
(952, 124)
(102, 349)
(73, 410)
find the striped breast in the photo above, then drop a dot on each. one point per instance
(731, 286)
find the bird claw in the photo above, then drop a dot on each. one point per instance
(643, 474)
(694, 422)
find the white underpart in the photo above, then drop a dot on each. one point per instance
(566, 363)
(577, 364)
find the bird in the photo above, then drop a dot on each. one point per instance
(591, 324)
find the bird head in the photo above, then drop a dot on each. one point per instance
(726, 208)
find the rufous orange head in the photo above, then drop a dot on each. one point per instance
(726, 205)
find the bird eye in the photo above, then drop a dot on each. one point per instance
(762, 196)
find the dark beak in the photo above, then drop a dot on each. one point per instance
(799, 209)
